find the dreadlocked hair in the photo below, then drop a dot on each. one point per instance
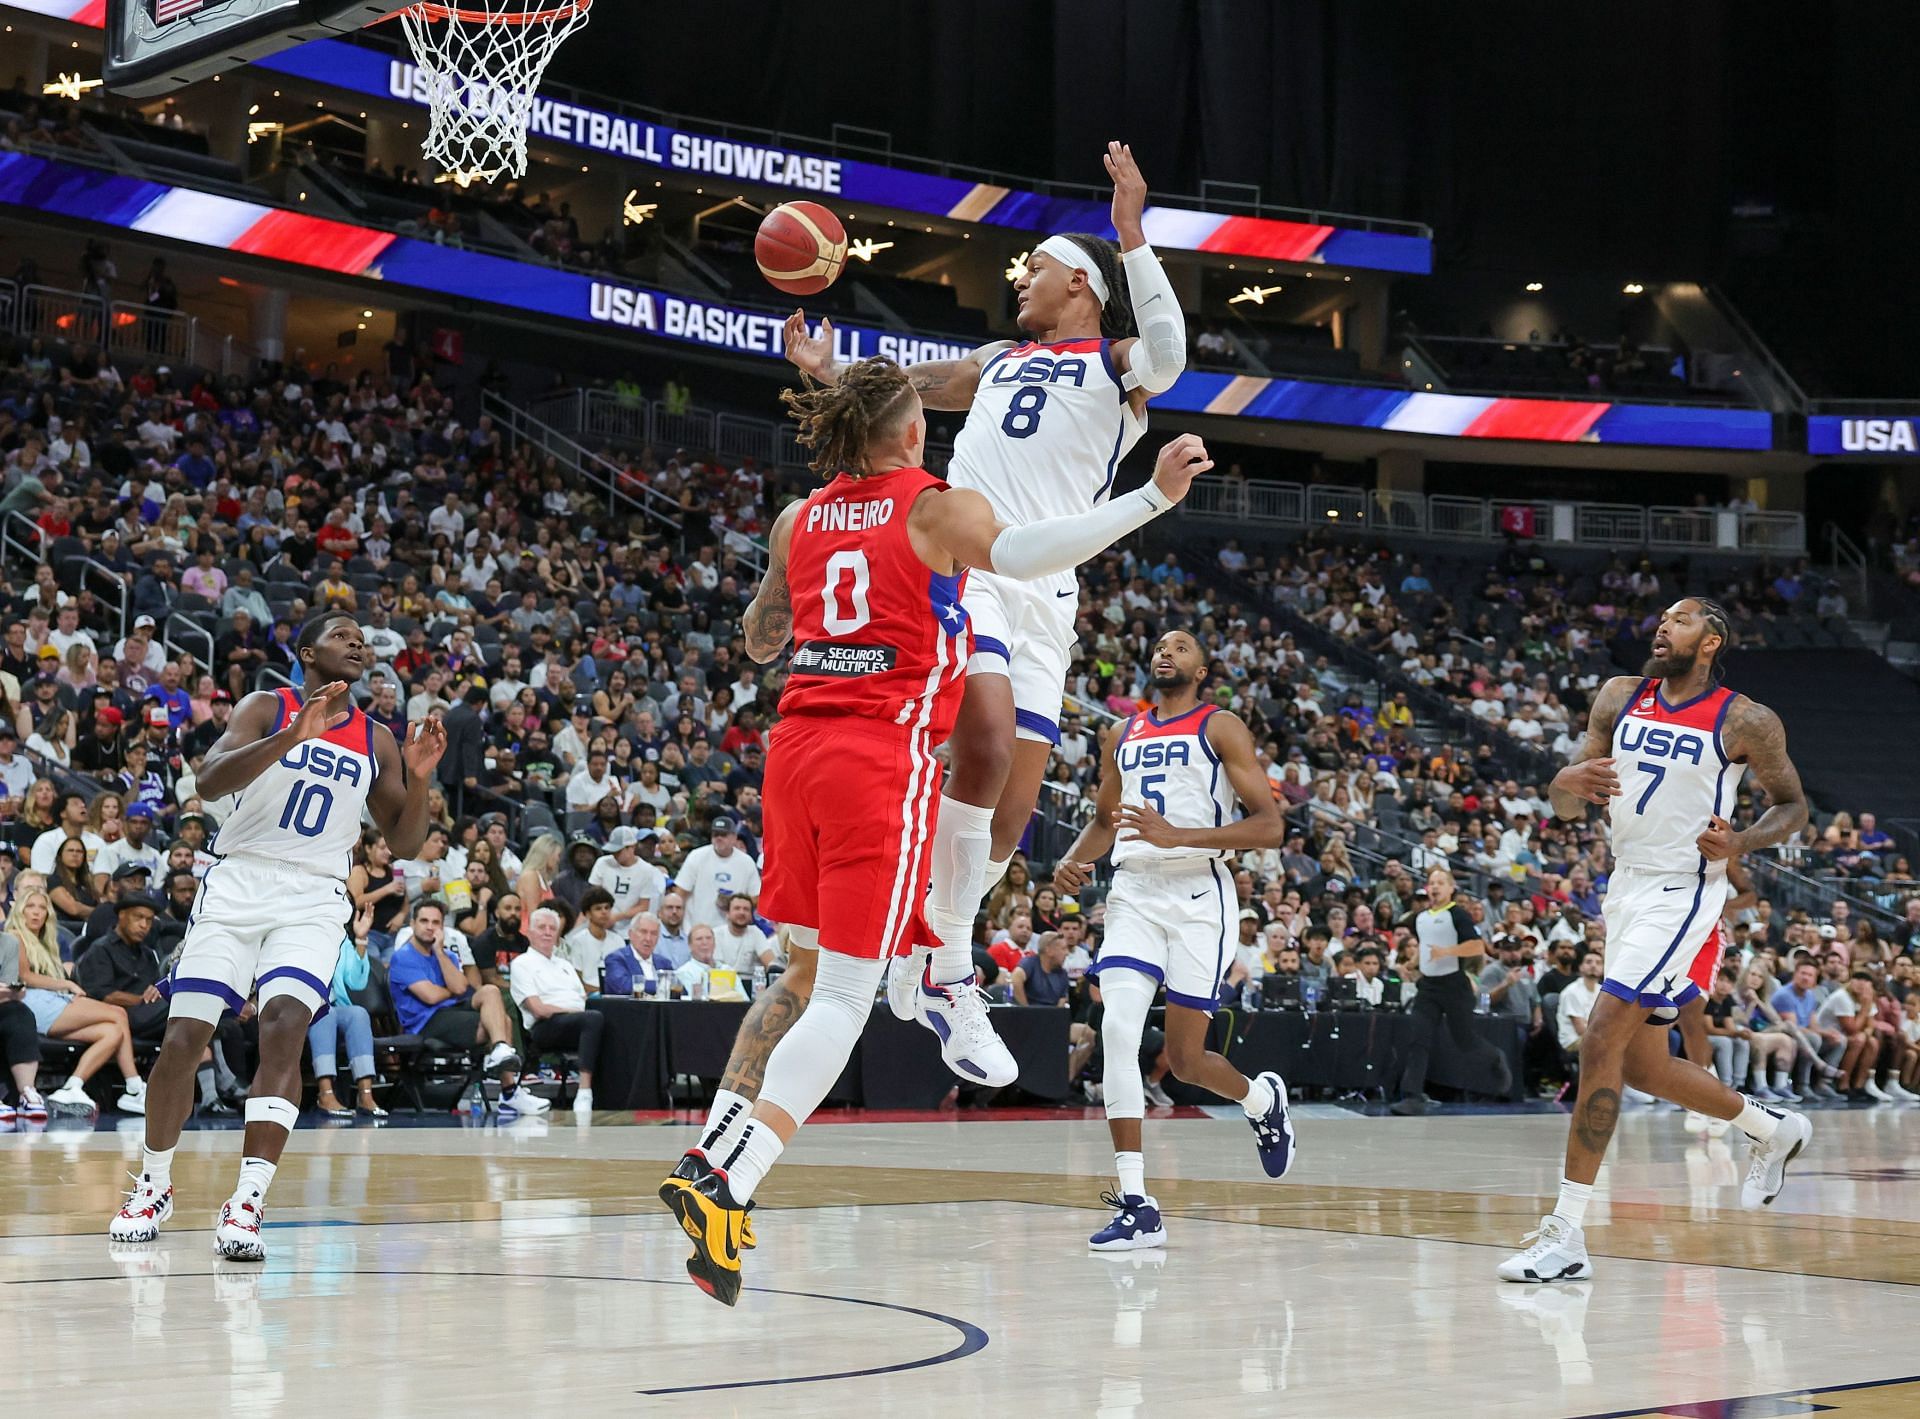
(839, 421)
(1721, 625)
(1116, 316)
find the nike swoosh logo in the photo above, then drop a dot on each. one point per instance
(1681, 888)
(1198, 895)
(1066, 593)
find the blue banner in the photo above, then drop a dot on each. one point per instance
(1871, 436)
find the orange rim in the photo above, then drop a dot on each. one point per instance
(545, 16)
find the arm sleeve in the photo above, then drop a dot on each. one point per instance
(1059, 544)
(1160, 355)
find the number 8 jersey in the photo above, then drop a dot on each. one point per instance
(877, 633)
(304, 809)
(1674, 775)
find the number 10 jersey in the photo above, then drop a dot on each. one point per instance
(877, 633)
(304, 809)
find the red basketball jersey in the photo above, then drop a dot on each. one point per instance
(877, 632)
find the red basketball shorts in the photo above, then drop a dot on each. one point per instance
(848, 807)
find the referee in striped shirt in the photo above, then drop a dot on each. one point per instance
(1447, 936)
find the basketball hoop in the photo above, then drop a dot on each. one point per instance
(483, 64)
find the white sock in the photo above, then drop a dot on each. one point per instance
(136, 1086)
(156, 1165)
(1571, 1207)
(1259, 1100)
(1757, 1121)
(256, 1176)
(962, 858)
(1781, 1079)
(1132, 1171)
(583, 1095)
(725, 1120)
(758, 1150)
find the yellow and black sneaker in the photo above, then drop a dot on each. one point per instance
(714, 1221)
(693, 1166)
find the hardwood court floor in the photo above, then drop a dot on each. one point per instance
(939, 1268)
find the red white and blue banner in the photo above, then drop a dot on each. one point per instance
(379, 75)
(43, 186)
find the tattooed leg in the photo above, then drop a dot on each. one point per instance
(767, 1023)
(1603, 1051)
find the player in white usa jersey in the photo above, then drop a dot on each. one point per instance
(1047, 422)
(1168, 781)
(272, 909)
(1673, 731)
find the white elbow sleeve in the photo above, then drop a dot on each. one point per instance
(1160, 354)
(1059, 544)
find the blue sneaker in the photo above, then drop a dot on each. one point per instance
(1136, 1225)
(1273, 1133)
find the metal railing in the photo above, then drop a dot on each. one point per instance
(151, 330)
(53, 313)
(1483, 520)
(523, 426)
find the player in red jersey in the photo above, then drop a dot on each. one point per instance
(866, 577)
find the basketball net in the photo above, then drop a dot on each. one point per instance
(483, 64)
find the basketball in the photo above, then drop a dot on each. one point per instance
(801, 248)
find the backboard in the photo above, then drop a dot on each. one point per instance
(158, 46)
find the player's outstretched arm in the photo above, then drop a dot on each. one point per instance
(942, 384)
(958, 525)
(768, 622)
(1262, 827)
(1754, 733)
(1589, 776)
(1075, 868)
(398, 799)
(251, 743)
(1152, 361)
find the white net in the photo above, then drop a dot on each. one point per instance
(483, 63)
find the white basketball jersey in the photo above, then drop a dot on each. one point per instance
(1170, 767)
(1048, 427)
(304, 809)
(1674, 775)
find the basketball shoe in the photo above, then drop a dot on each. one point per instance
(1273, 1130)
(236, 1235)
(140, 1216)
(1767, 1162)
(712, 1219)
(1558, 1253)
(1136, 1225)
(693, 1165)
(958, 1015)
(33, 1107)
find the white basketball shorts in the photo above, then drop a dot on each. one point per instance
(1658, 926)
(258, 925)
(1170, 921)
(1024, 630)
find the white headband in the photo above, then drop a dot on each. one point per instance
(1071, 254)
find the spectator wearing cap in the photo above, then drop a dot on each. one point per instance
(715, 873)
(576, 869)
(195, 832)
(16, 774)
(134, 846)
(125, 967)
(127, 879)
(634, 884)
(141, 656)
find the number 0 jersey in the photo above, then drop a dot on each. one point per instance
(1169, 766)
(877, 633)
(1674, 775)
(304, 809)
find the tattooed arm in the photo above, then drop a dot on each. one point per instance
(1754, 733)
(942, 384)
(768, 622)
(1589, 777)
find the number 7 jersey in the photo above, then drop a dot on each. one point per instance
(304, 809)
(877, 633)
(1674, 775)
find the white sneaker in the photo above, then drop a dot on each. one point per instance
(903, 978)
(1896, 1091)
(1558, 1253)
(1717, 1127)
(1767, 1162)
(1876, 1093)
(140, 1216)
(71, 1098)
(500, 1054)
(133, 1100)
(968, 1043)
(1695, 1123)
(236, 1234)
(525, 1102)
(33, 1107)
(583, 1101)
(1157, 1095)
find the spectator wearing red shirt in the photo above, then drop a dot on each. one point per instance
(335, 538)
(54, 521)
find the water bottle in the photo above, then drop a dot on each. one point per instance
(1486, 1003)
(477, 1103)
(1310, 995)
(759, 977)
(1250, 997)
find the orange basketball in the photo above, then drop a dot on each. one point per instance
(801, 248)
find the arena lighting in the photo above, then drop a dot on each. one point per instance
(1632, 288)
(633, 211)
(1016, 271)
(1256, 294)
(864, 247)
(69, 86)
(1535, 286)
(257, 131)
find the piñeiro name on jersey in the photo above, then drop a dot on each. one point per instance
(1169, 766)
(304, 810)
(1675, 775)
